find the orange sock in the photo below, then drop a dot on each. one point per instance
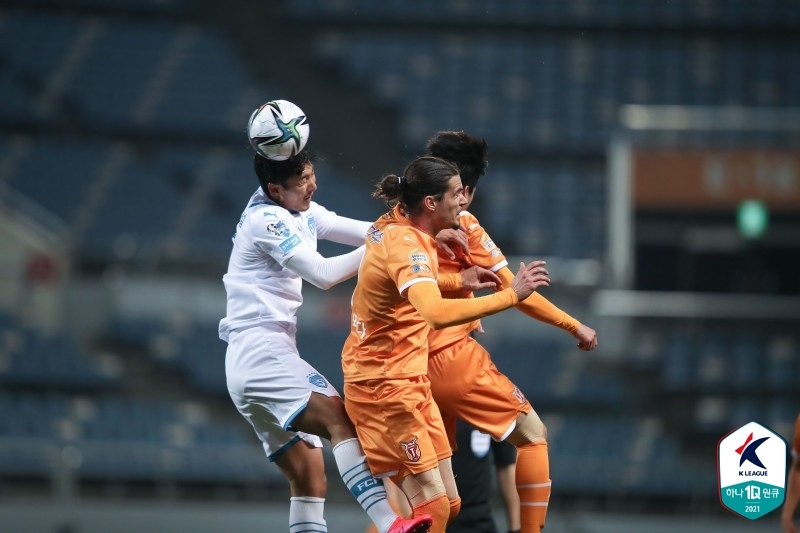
(455, 507)
(439, 509)
(533, 485)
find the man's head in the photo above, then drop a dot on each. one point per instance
(429, 191)
(290, 183)
(465, 151)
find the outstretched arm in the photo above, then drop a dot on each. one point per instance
(344, 230)
(325, 272)
(445, 312)
(540, 308)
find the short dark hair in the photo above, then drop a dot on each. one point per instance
(279, 172)
(424, 176)
(465, 151)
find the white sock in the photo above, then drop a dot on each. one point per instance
(306, 515)
(368, 490)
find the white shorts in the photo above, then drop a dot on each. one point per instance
(270, 385)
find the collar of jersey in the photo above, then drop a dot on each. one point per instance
(268, 201)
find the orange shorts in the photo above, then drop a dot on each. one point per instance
(398, 424)
(466, 384)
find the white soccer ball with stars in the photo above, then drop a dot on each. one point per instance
(278, 130)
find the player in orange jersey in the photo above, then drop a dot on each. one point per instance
(385, 358)
(792, 485)
(465, 382)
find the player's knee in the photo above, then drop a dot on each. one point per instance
(529, 429)
(307, 484)
(423, 488)
(455, 508)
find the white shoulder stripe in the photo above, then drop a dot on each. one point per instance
(409, 283)
(499, 265)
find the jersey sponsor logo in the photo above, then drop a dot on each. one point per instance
(375, 235)
(317, 380)
(518, 395)
(488, 244)
(312, 224)
(418, 257)
(496, 252)
(241, 219)
(416, 269)
(289, 244)
(278, 228)
(412, 449)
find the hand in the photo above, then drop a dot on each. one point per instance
(787, 524)
(529, 278)
(475, 278)
(453, 240)
(587, 338)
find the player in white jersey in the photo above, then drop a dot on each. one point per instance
(289, 404)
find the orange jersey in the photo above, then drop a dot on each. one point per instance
(388, 337)
(482, 252)
(796, 442)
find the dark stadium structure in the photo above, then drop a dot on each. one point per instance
(124, 166)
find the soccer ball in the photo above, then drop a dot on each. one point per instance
(278, 130)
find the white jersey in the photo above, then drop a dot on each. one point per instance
(259, 287)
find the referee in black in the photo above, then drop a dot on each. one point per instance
(475, 462)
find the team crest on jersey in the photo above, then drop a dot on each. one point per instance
(518, 395)
(312, 224)
(375, 235)
(317, 380)
(412, 449)
(418, 257)
(278, 229)
(416, 269)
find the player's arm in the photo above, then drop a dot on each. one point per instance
(542, 309)
(474, 278)
(325, 272)
(342, 229)
(792, 497)
(445, 312)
